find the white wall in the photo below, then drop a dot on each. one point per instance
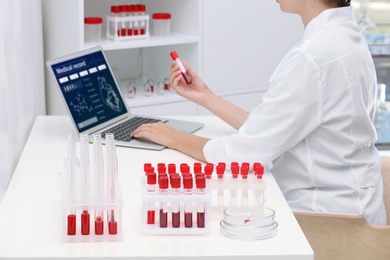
(21, 80)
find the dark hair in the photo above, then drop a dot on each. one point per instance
(341, 3)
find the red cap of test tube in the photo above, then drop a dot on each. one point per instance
(244, 171)
(171, 168)
(235, 169)
(174, 55)
(220, 171)
(208, 170)
(175, 181)
(197, 167)
(200, 181)
(151, 178)
(187, 181)
(163, 181)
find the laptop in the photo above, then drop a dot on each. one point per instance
(95, 103)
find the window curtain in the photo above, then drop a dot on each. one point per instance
(22, 95)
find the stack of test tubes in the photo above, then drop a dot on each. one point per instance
(241, 186)
(92, 202)
(174, 203)
(127, 22)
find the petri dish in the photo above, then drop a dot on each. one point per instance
(239, 216)
(247, 233)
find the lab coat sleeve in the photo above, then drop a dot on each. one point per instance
(289, 112)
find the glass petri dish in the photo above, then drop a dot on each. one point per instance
(239, 216)
(248, 233)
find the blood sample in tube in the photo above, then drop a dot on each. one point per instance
(187, 184)
(200, 189)
(163, 189)
(184, 73)
(151, 188)
(175, 187)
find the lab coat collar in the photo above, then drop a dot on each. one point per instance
(329, 16)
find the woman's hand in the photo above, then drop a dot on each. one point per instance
(197, 91)
(159, 132)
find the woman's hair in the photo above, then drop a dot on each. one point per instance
(341, 3)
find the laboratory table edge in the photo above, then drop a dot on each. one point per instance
(31, 213)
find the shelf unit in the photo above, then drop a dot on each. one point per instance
(131, 59)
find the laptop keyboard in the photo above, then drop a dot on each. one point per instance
(122, 132)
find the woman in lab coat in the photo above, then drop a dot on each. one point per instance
(314, 126)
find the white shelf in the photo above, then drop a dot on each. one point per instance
(173, 39)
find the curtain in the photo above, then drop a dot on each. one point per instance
(22, 95)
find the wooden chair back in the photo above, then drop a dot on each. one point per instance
(336, 236)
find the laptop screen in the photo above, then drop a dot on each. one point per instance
(89, 90)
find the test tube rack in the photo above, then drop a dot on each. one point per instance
(190, 212)
(115, 25)
(100, 218)
(181, 199)
(238, 186)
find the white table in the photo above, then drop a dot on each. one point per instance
(31, 213)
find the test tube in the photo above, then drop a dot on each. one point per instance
(187, 185)
(235, 169)
(151, 188)
(123, 26)
(220, 169)
(85, 182)
(163, 189)
(260, 186)
(136, 22)
(142, 25)
(200, 189)
(130, 10)
(112, 175)
(175, 57)
(244, 186)
(99, 182)
(71, 183)
(175, 188)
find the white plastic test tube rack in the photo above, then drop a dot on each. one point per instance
(118, 24)
(172, 209)
(91, 197)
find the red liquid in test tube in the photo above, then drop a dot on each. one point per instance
(163, 191)
(184, 73)
(175, 188)
(200, 189)
(188, 184)
(151, 188)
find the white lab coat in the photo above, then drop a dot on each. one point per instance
(315, 123)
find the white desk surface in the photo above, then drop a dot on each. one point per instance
(31, 212)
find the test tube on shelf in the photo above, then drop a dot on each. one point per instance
(151, 189)
(200, 182)
(114, 29)
(244, 182)
(187, 185)
(136, 22)
(112, 176)
(85, 182)
(142, 24)
(123, 25)
(99, 182)
(71, 183)
(130, 10)
(175, 189)
(163, 191)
